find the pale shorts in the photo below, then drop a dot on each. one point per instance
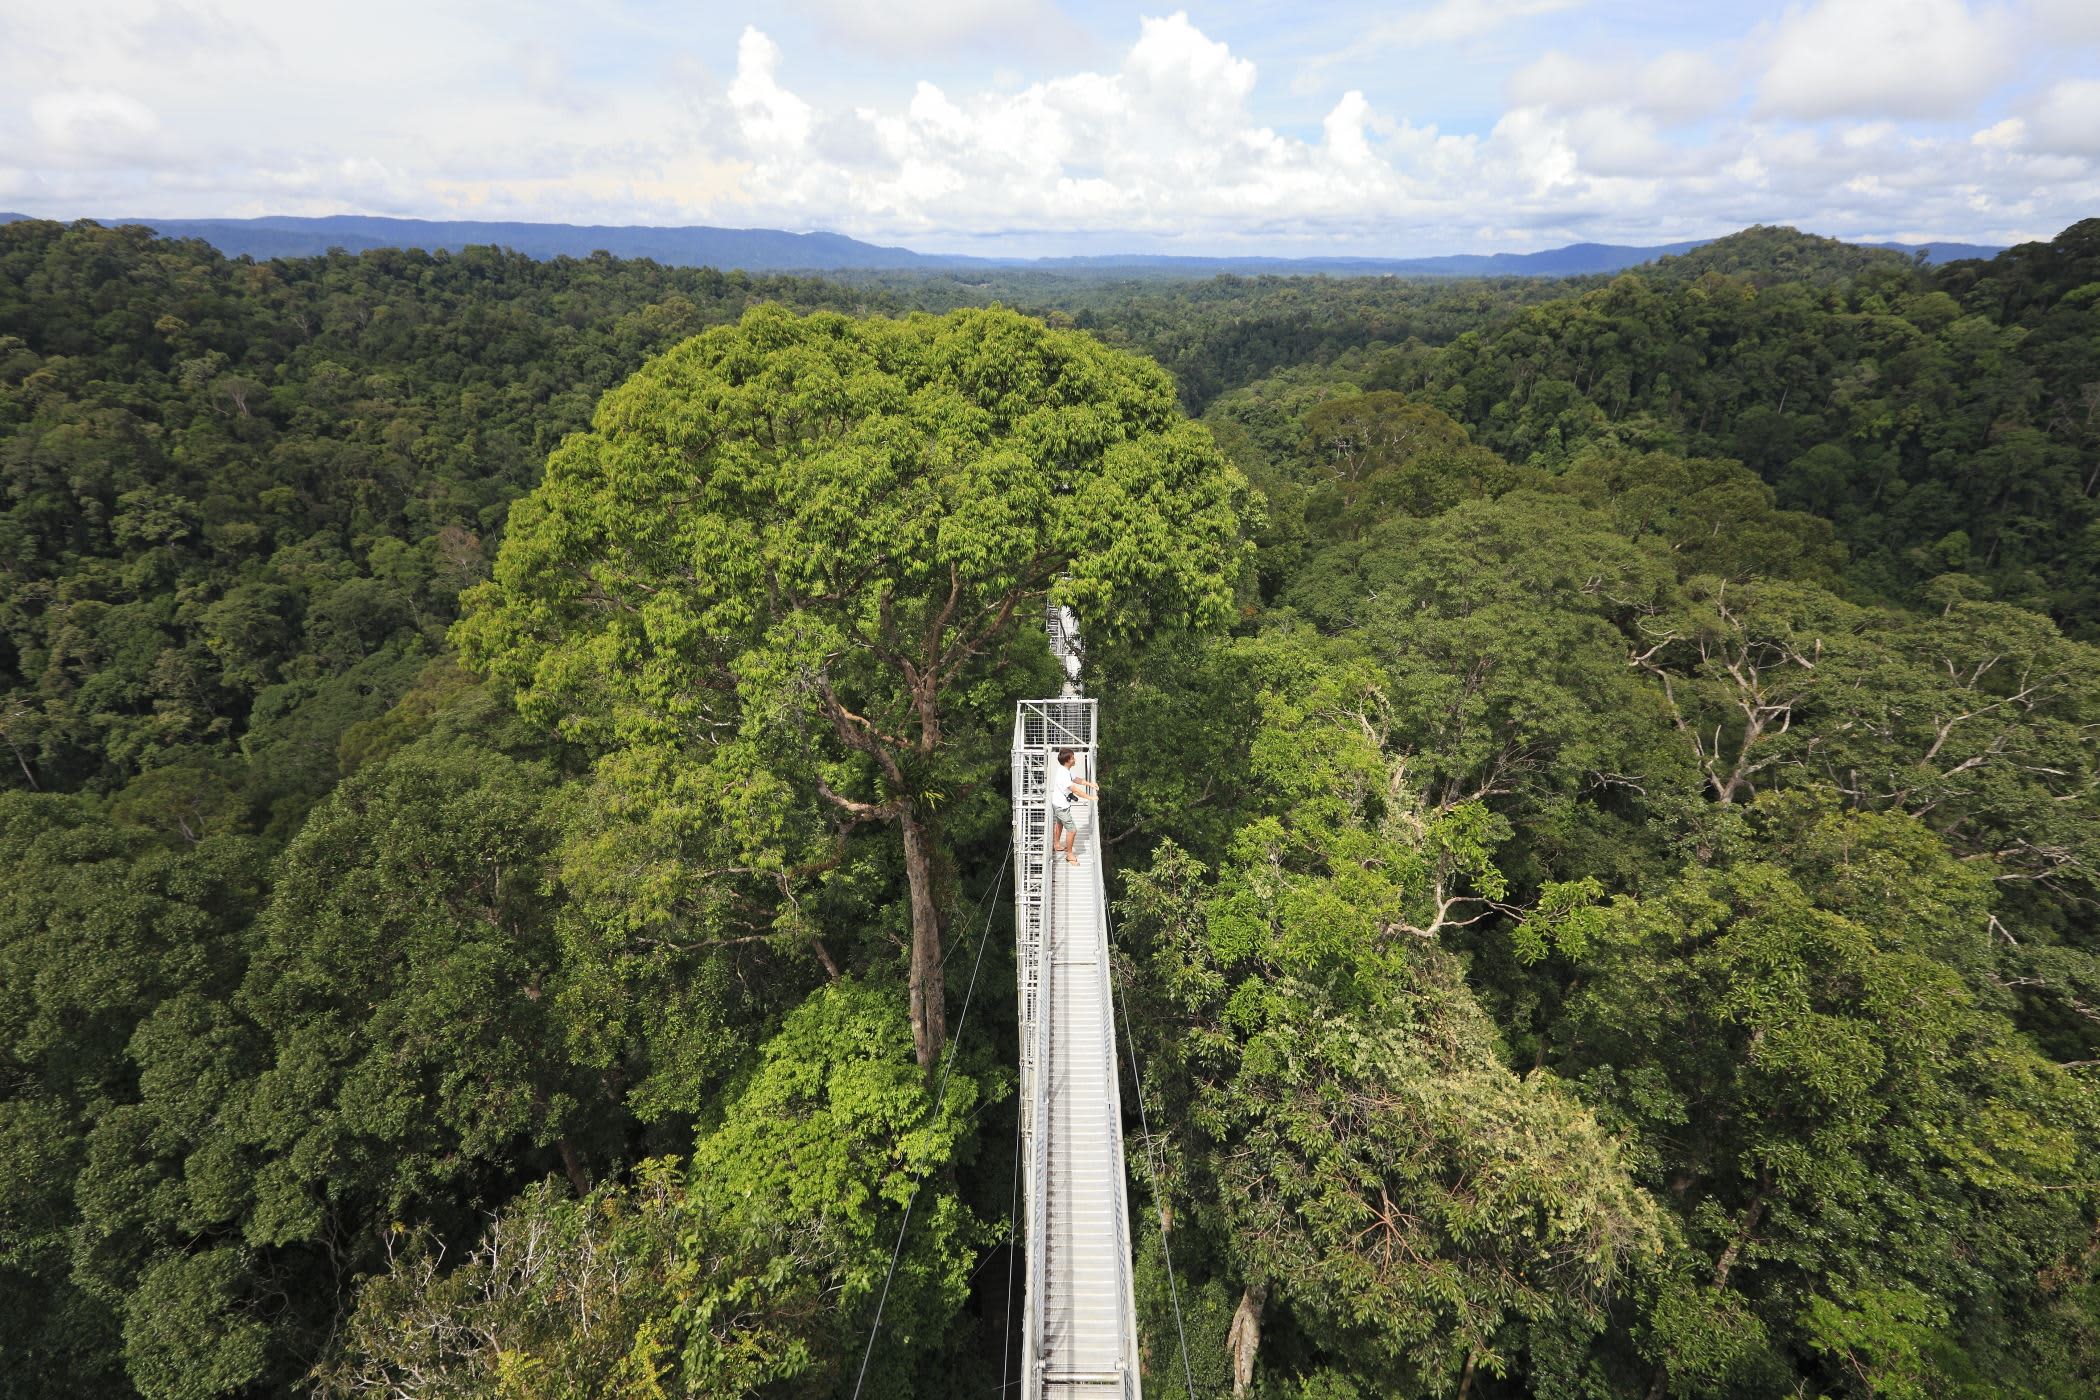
(1066, 817)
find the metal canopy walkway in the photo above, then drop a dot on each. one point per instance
(1079, 1323)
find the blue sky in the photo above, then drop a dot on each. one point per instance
(1032, 126)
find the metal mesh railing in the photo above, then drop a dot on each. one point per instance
(1054, 724)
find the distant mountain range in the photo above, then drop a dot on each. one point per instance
(773, 250)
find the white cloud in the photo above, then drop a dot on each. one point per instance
(771, 119)
(93, 121)
(917, 28)
(1346, 139)
(2067, 122)
(1899, 58)
(2006, 135)
(1170, 123)
(1178, 74)
(1621, 142)
(1532, 152)
(1178, 140)
(1678, 85)
(1444, 22)
(1682, 83)
(2065, 21)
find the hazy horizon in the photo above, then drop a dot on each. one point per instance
(992, 247)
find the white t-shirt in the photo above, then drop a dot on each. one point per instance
(1060, 784)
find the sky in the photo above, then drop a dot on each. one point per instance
(1024, 127)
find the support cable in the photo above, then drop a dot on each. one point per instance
(1144, 1125)
(940, 1095)
(1013, 1250)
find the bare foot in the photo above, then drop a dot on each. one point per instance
(1072, 859)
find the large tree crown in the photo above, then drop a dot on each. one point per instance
(816, 486)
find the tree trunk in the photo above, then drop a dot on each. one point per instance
(1725, 1265)
(831, 967)
(929, 1013)
(1244, 1337)
(572, 1166)
(32, 777)
(1752, 1213)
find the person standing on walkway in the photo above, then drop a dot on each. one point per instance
(1065, 791)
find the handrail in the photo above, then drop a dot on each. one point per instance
(1112, 1110)
(1039, 1146)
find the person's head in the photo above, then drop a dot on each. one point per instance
(1065, 757)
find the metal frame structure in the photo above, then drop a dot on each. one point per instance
(1062, 937)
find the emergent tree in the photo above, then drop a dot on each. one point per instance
(790, 551)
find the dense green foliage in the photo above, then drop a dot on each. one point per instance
(1766, 256)
(1605, 828)
(1945, 423)
(1227, 330)
(242, 500)
(746, 1269)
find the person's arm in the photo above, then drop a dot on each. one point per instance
(1087, 788)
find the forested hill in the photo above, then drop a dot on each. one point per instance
(1769, 255)
(1602, 800)
(1945, 422)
